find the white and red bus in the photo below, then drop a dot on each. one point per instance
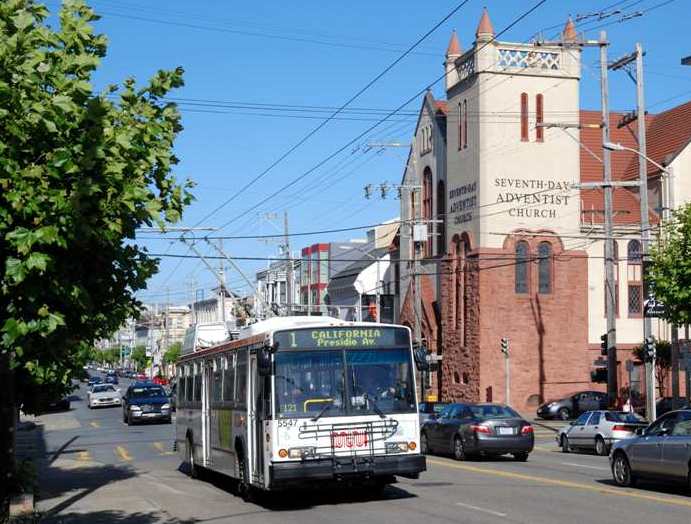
(302, 400)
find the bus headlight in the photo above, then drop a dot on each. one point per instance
(396, 447)
(296, 453)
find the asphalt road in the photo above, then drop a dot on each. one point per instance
(97, 469)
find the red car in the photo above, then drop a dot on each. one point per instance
(141, 376)
(161, 381)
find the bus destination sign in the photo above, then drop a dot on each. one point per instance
(342, 337)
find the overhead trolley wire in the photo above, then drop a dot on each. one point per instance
(334, 114)
(374, 126)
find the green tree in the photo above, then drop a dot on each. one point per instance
(79, 172)
(139, 358)
(663, 362)
(669, 270)
(173, 353)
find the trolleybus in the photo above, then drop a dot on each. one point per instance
(300, 400)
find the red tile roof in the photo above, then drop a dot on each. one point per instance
(667, 134)
(454, 47)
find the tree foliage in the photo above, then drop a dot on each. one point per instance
(669, 270)
(79, 172)
(139, 358)
(173, 353)
(663, 361)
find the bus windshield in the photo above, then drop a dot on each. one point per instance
(344, 382)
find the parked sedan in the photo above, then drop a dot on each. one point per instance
(662, 451)
(573, 405)
(478, 429)
(599, 430)
(427, 409)
(102, 395)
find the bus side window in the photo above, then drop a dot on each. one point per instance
(218, 380)
(181, 385)
(198, 382)
(189, 379)
(229, 378)
(241, 378)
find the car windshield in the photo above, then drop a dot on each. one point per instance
(350, 381)
(101, 389)
(146, 392)
(622, 416)
(492, 411)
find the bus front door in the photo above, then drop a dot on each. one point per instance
(255, 413)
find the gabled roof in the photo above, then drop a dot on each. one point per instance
(667, 134)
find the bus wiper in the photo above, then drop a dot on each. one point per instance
(375, 407)
(323, 410)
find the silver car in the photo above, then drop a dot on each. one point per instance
(102, 395)
(663, 451)
(599, 430)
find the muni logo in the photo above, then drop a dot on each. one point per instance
(345, 439)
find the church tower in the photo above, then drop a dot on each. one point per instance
(514, 269)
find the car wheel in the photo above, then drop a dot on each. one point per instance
(600, 447)
(191, 464)
(424, 444)
(564, 414)
(565, 444)
(521, 457)
(458, 449)
(621, 471)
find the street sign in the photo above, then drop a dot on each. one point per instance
(653, 308)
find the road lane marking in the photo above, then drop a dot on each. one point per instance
(84, 456)
(583, 466)
(95, 424)
(123, 453)
(621, 492)
(161, 448)
(482, 510)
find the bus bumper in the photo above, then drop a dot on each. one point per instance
(345, 468)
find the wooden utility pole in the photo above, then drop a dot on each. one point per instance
(610, 286)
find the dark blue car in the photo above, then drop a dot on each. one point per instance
(145, 401)
(112, 379)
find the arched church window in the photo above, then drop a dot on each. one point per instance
(522, 267)
(544, 254)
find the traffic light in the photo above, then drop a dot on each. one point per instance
(505, 345)
(603, 344)
(599, 375)
(649, 349)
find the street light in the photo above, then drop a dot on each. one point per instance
(645, 234)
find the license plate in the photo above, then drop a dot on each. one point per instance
(150, 414)
(505, 431)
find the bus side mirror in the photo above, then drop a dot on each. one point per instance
(420, 355)
(264, 361)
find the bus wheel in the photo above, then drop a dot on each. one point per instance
(192, 470)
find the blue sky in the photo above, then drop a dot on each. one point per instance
(315, 53)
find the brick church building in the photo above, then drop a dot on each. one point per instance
(513, 249)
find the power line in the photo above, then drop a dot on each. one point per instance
(369, 129)
(335, 113)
